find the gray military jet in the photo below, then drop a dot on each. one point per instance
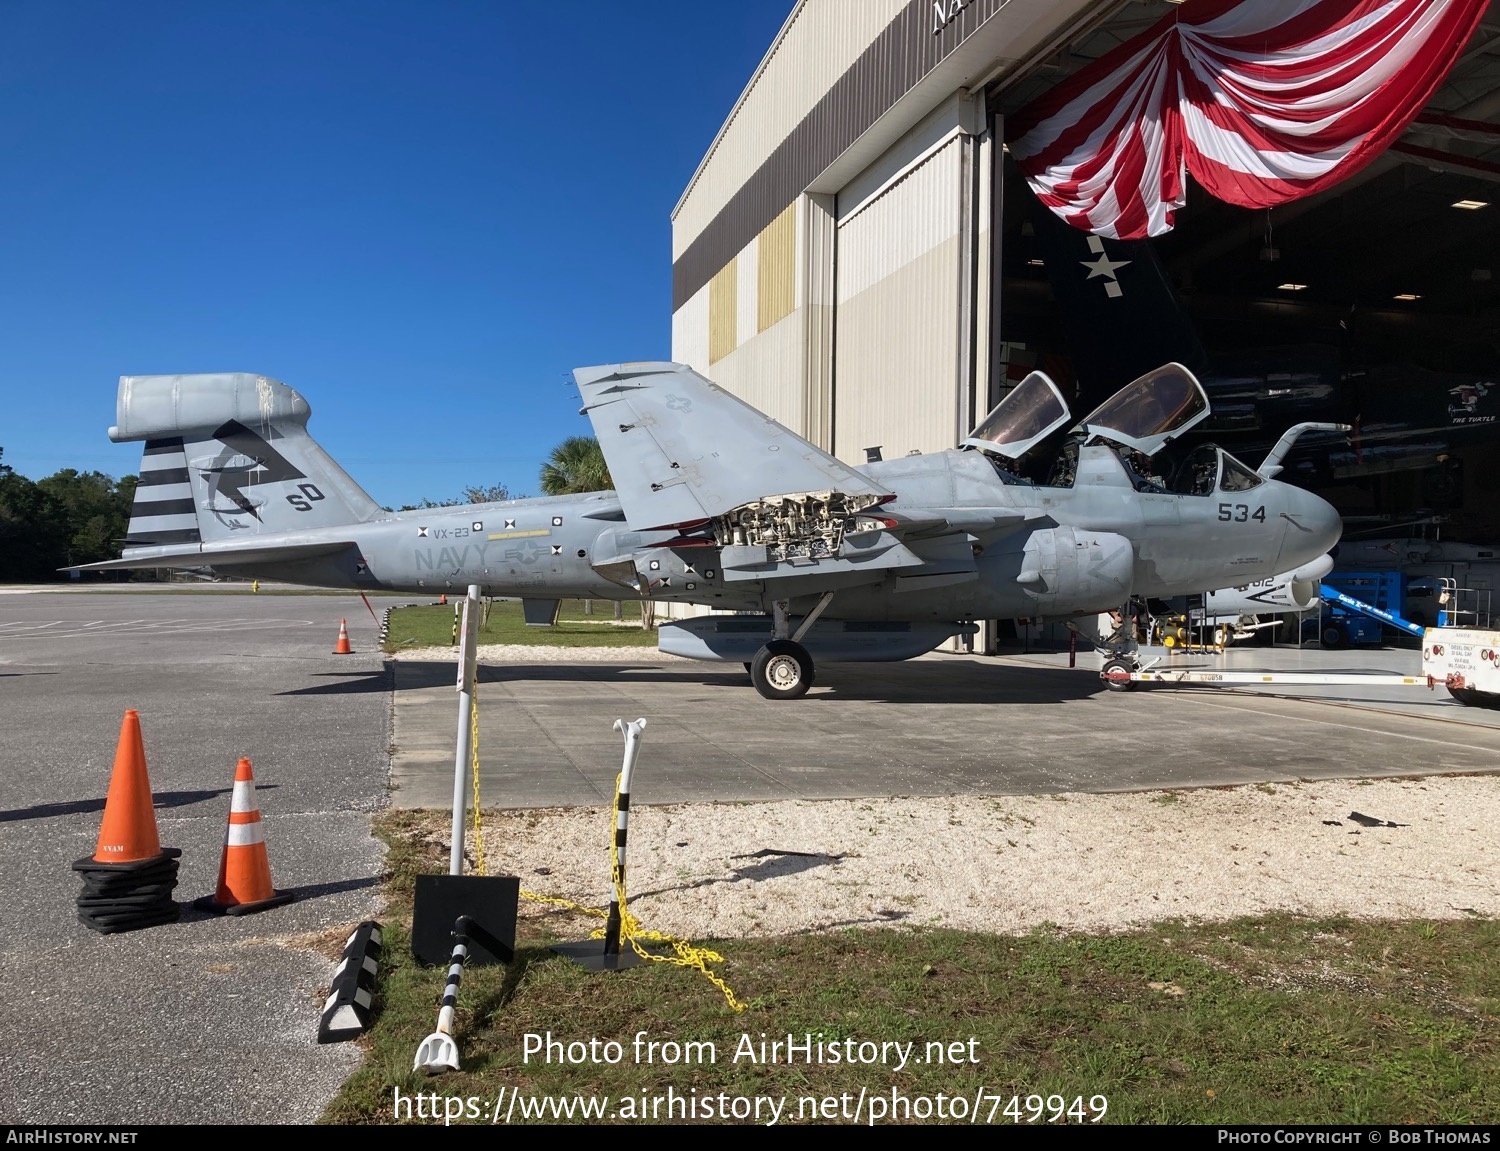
(720, 506)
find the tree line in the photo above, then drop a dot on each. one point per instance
(74, 517)
(71, 517)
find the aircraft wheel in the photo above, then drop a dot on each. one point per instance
(1221, 636)
(1116, 675)
(782, 670)
(1334, 637)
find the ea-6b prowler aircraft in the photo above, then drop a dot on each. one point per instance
(718, 505)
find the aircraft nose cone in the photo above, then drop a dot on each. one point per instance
(1313, 527)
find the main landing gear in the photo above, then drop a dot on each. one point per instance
(783, 669)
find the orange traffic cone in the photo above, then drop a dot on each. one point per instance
(128, 882)
(245, 872)
(342, 647)
(128, 833)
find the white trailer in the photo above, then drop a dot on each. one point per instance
(1463, 652)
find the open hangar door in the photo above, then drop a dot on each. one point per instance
(1375, 303)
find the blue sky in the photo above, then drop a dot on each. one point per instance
(421, 215)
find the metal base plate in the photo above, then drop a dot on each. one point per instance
(589, 954)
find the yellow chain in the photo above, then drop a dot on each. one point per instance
(474, 756)
(684, 954)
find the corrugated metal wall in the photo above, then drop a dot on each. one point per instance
(690, 332)
(755, 337)
(776, 267)
(815, 286)
(821, 43)
(897, 322)
(723, 314)
(766, 372)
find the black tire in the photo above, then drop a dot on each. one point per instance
(1117, 681)
(782, 670)
(1466, 696)
(1333, 637)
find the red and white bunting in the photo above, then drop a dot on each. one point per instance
(1263, 101)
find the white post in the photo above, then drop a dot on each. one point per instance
(469, 641)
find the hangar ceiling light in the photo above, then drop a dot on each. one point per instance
(1290, 287)
(1405, 296)
(1471, 204)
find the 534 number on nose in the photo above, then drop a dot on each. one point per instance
(1239, 513)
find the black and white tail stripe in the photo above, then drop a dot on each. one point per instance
(163, 512)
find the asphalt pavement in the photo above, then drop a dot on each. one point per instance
(209, 1020)
(944, 724)
(214, 1020)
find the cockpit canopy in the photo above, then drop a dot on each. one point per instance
(1209, 468)
(1031, 411)
(1149, 412)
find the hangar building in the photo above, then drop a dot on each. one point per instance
(858, 256)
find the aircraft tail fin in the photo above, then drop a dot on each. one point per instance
(227, 458)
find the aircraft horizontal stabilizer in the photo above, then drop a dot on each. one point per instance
(210, 554)
(681, 450)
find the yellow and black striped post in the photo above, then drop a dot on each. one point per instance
(622, 830)
(588, 952)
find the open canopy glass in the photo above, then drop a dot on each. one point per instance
(1150, 411)
(1031, 411)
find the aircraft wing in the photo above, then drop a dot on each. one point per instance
(224, 552)
(681, 450)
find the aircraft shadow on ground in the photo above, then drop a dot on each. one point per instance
(191, 914)
(334, 887)
(349, 683)
(85, 806)
(924, 682)
(774, 865)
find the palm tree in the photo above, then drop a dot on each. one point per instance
(575, 465)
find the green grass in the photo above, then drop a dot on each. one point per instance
(433, 627)
(1278, 1019)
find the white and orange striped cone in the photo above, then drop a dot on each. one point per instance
(245, 871)
(342, 646)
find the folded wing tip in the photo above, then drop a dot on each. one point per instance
(600, 373)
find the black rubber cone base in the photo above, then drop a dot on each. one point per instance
(89, 863)
(127, 896)
(108, 903)
(131, 921)
(209, 904)
(139, 873)
(589, 954)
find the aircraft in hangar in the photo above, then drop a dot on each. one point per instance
(719, 505)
